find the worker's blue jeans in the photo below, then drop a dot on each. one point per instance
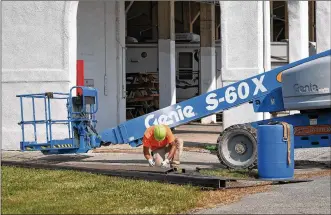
(159, 154)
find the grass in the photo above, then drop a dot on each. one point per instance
(211, 147)
(238, 174)
(31, 191)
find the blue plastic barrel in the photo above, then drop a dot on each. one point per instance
(272, 153)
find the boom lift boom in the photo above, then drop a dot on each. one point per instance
(303, 85)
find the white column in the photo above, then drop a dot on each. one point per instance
(207, 53)
(298, 22)
(166, 46)
(323, 23)
(298, 30)
(167, 72)
(120, 60)
(242, 51)
(266, 43)
(113, 93)
(208, 76)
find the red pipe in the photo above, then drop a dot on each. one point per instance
(80, 76)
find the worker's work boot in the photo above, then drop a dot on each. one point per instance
(174, 166)
(175, 162)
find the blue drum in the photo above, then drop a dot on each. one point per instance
(275, 156)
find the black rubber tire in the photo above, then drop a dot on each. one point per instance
(45, 152)
(241, 129)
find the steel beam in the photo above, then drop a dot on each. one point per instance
(153, 174)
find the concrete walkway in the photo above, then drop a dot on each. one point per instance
(303, 198)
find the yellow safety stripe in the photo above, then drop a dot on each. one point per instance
(63, 146)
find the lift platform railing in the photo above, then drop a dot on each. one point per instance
(76, 117)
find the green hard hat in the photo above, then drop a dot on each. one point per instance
(159, 132)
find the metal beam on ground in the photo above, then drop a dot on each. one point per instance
(150, 174)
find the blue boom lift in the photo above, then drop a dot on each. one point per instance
(303, 85)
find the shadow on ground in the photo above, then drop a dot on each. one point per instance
(197, 123)
(196, 132)
(306, 164)
(54, 159)
(62, 158)
(197, 144)
(214, 165)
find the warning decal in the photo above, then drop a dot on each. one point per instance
(312, 130)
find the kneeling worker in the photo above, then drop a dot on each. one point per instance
(160, 140)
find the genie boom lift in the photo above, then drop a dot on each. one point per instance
(303, 86)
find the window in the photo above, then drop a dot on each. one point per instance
(185, 60)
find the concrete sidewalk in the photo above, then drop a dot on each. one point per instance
(303, 198)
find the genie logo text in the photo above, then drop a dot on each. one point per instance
(171, 117)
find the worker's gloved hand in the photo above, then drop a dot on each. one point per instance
(151, 162)
(165, 163)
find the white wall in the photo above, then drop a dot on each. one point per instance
(323, 22)
(36, 57)
(39, 49)
(298, 23)
(97, 46)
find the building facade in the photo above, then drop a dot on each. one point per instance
(42, 41)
